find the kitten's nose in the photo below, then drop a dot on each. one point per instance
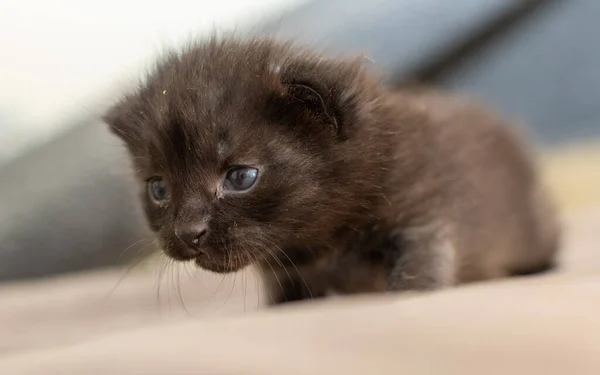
(192, 235)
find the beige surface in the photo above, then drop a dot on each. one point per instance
(70, 309)
(520, 328)
(573, 173)
(79, 325)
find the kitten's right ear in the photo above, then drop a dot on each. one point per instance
(123, 121)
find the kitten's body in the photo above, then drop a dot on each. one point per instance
(462, 203)
(360, 189)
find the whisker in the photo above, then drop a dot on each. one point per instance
(276, 277)
(257, 292)
(230, 291)
(245, 284)
(128, 271)
(297, 270)
(169, 283)
(256, 279)
(187, 271)
(215, 292)
(280, 263)
(178, 288)
(130, 246)
(161, 270)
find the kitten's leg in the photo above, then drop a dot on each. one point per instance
(427, 260)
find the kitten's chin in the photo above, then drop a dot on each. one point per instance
(219, 266)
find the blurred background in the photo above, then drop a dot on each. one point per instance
(66, 202)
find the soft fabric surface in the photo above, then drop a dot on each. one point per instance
(522, 328)
(87, 324)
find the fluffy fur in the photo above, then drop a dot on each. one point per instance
(360, 188)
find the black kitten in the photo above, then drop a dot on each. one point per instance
(259, 152)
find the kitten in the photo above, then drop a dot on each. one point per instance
(259, 152)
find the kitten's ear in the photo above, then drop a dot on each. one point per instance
(319, 105)
(333, 92)
(123, 121)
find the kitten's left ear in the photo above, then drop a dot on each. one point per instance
(318, 104)
(332, 91)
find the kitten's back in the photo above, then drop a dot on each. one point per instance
(480, 175)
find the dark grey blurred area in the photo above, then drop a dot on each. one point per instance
(543, 70)
(400, 36)
(67, 206)
(534, 60)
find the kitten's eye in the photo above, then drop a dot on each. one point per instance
(157, 189)
(240, 178)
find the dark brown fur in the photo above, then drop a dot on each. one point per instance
(360, 189)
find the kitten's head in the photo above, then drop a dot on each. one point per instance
(244, 148)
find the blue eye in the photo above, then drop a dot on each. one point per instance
(240, 178)
(157, 189)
